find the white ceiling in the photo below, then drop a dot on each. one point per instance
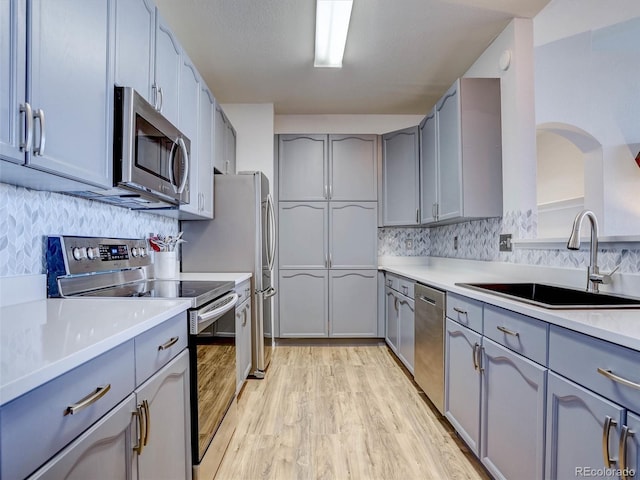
(401, 55)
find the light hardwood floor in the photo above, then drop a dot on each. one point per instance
(341, 412)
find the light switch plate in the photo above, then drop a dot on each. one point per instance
(505, 243)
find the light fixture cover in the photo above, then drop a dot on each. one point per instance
(332, 26)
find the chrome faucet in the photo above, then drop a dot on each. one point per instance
(594, 277)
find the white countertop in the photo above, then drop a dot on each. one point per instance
(40, 340)
(621, 326)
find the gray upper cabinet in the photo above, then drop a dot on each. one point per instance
(302, 164)
(13, 79)
(467, 148)
(353, 241)
(303, 235)
(205, 153)
(400, 178)
(428, 168)
(353, 168)
(135, 46)
(224, 143)
(168, 64)
(189, 125)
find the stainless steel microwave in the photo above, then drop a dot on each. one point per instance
(151, 156)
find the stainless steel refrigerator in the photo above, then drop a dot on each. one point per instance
(240, 238)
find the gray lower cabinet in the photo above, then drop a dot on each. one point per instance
(400, 178)
(352, 303)
(630, 446)
(512, 414)
(406, 331)
(243, 334)
(391, 319)
(104, 451)
(463, 382)
(303, 235)
(304, 303)
(400, 319)
(576, 423)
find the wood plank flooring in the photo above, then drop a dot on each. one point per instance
(341, 412)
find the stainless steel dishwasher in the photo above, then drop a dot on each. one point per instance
(429, 346)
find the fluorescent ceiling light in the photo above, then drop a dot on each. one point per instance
(332, 25)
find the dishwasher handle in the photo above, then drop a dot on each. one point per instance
(431, 296)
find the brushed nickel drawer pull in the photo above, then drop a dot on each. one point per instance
(88, 400)
(172, 341)
(608, 423)
(474, 356)
(626, 433)
(507, 331)
(460, 311)
(612, 376)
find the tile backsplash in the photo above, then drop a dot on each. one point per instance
(27, 216)
(478, 240)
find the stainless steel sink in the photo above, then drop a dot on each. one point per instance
(554, 297)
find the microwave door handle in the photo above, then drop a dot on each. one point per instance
(185, 153)
(172, 159)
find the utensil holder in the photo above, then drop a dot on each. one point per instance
(165, 265)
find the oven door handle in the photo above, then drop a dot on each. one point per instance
(218, 312)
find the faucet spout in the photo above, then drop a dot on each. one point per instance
(574, 244)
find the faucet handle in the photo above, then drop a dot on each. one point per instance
(603, 278)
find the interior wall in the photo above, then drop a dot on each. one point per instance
(560, 168)
(253, 123)
(345, 124)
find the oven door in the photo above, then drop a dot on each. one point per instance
(212, 356)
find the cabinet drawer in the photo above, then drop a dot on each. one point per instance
(578, 357)
(400, 284)
(465, 311)
(391, 281)
(157, 346)
(37, 424)
(524, 335)
(244, 292)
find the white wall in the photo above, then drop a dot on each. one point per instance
(587, 64)
(253, 123)
(518, 119)
(363, 124)
(560, 168)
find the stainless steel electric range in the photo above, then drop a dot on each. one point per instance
(116, 267)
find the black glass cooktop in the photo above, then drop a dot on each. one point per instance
(200, 291)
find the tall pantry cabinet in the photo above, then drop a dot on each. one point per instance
(327, 235)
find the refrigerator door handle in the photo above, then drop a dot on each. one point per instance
(269, 292)
(272, 232)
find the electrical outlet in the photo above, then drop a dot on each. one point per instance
(408, 244)
(455, 242)
(505, 243)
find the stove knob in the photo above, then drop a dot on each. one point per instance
(143, 252)
(79, 253)
(93, 253)
(134, 252)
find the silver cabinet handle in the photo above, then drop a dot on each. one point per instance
(326, 261)
(480, 366)
(169, 343)
(326, 191)
(88, 400)
(28, 127)
(507, 331)
(433, 210)
(612, 376)
(330, 260)
(417, 215)
(330, 191)
(395, 303)
(147, 416)
(244, 316)
(142, 425)
(405, 289)
(460, 311)
(161, 99)
(608, 423)
(624, 436)
(154, 90)
(389, 282)
(474, 356)
(183, 147)
(39, 114)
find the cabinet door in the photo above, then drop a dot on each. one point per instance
(302, 238)
(135, 45)
(353, 167)
(391, 319)
(631, 445)
(13, 45)
(167, 453)
(401, 179)
(449, 155)
(167, 76)
(302, 167)
(219, 143)
(189, 105)
(406, 331)
(243, 343)
(513, 415)
(304, 300)
(205, 152)
(353, 303)
(75, 140)
(105, 450)
(576, 427)
(462, 383)
(230, 146)
(428, 169)
(353, 235)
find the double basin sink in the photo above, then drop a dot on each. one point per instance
(554, 297)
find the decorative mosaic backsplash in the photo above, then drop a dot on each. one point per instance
(478, 240)
(27, 216)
